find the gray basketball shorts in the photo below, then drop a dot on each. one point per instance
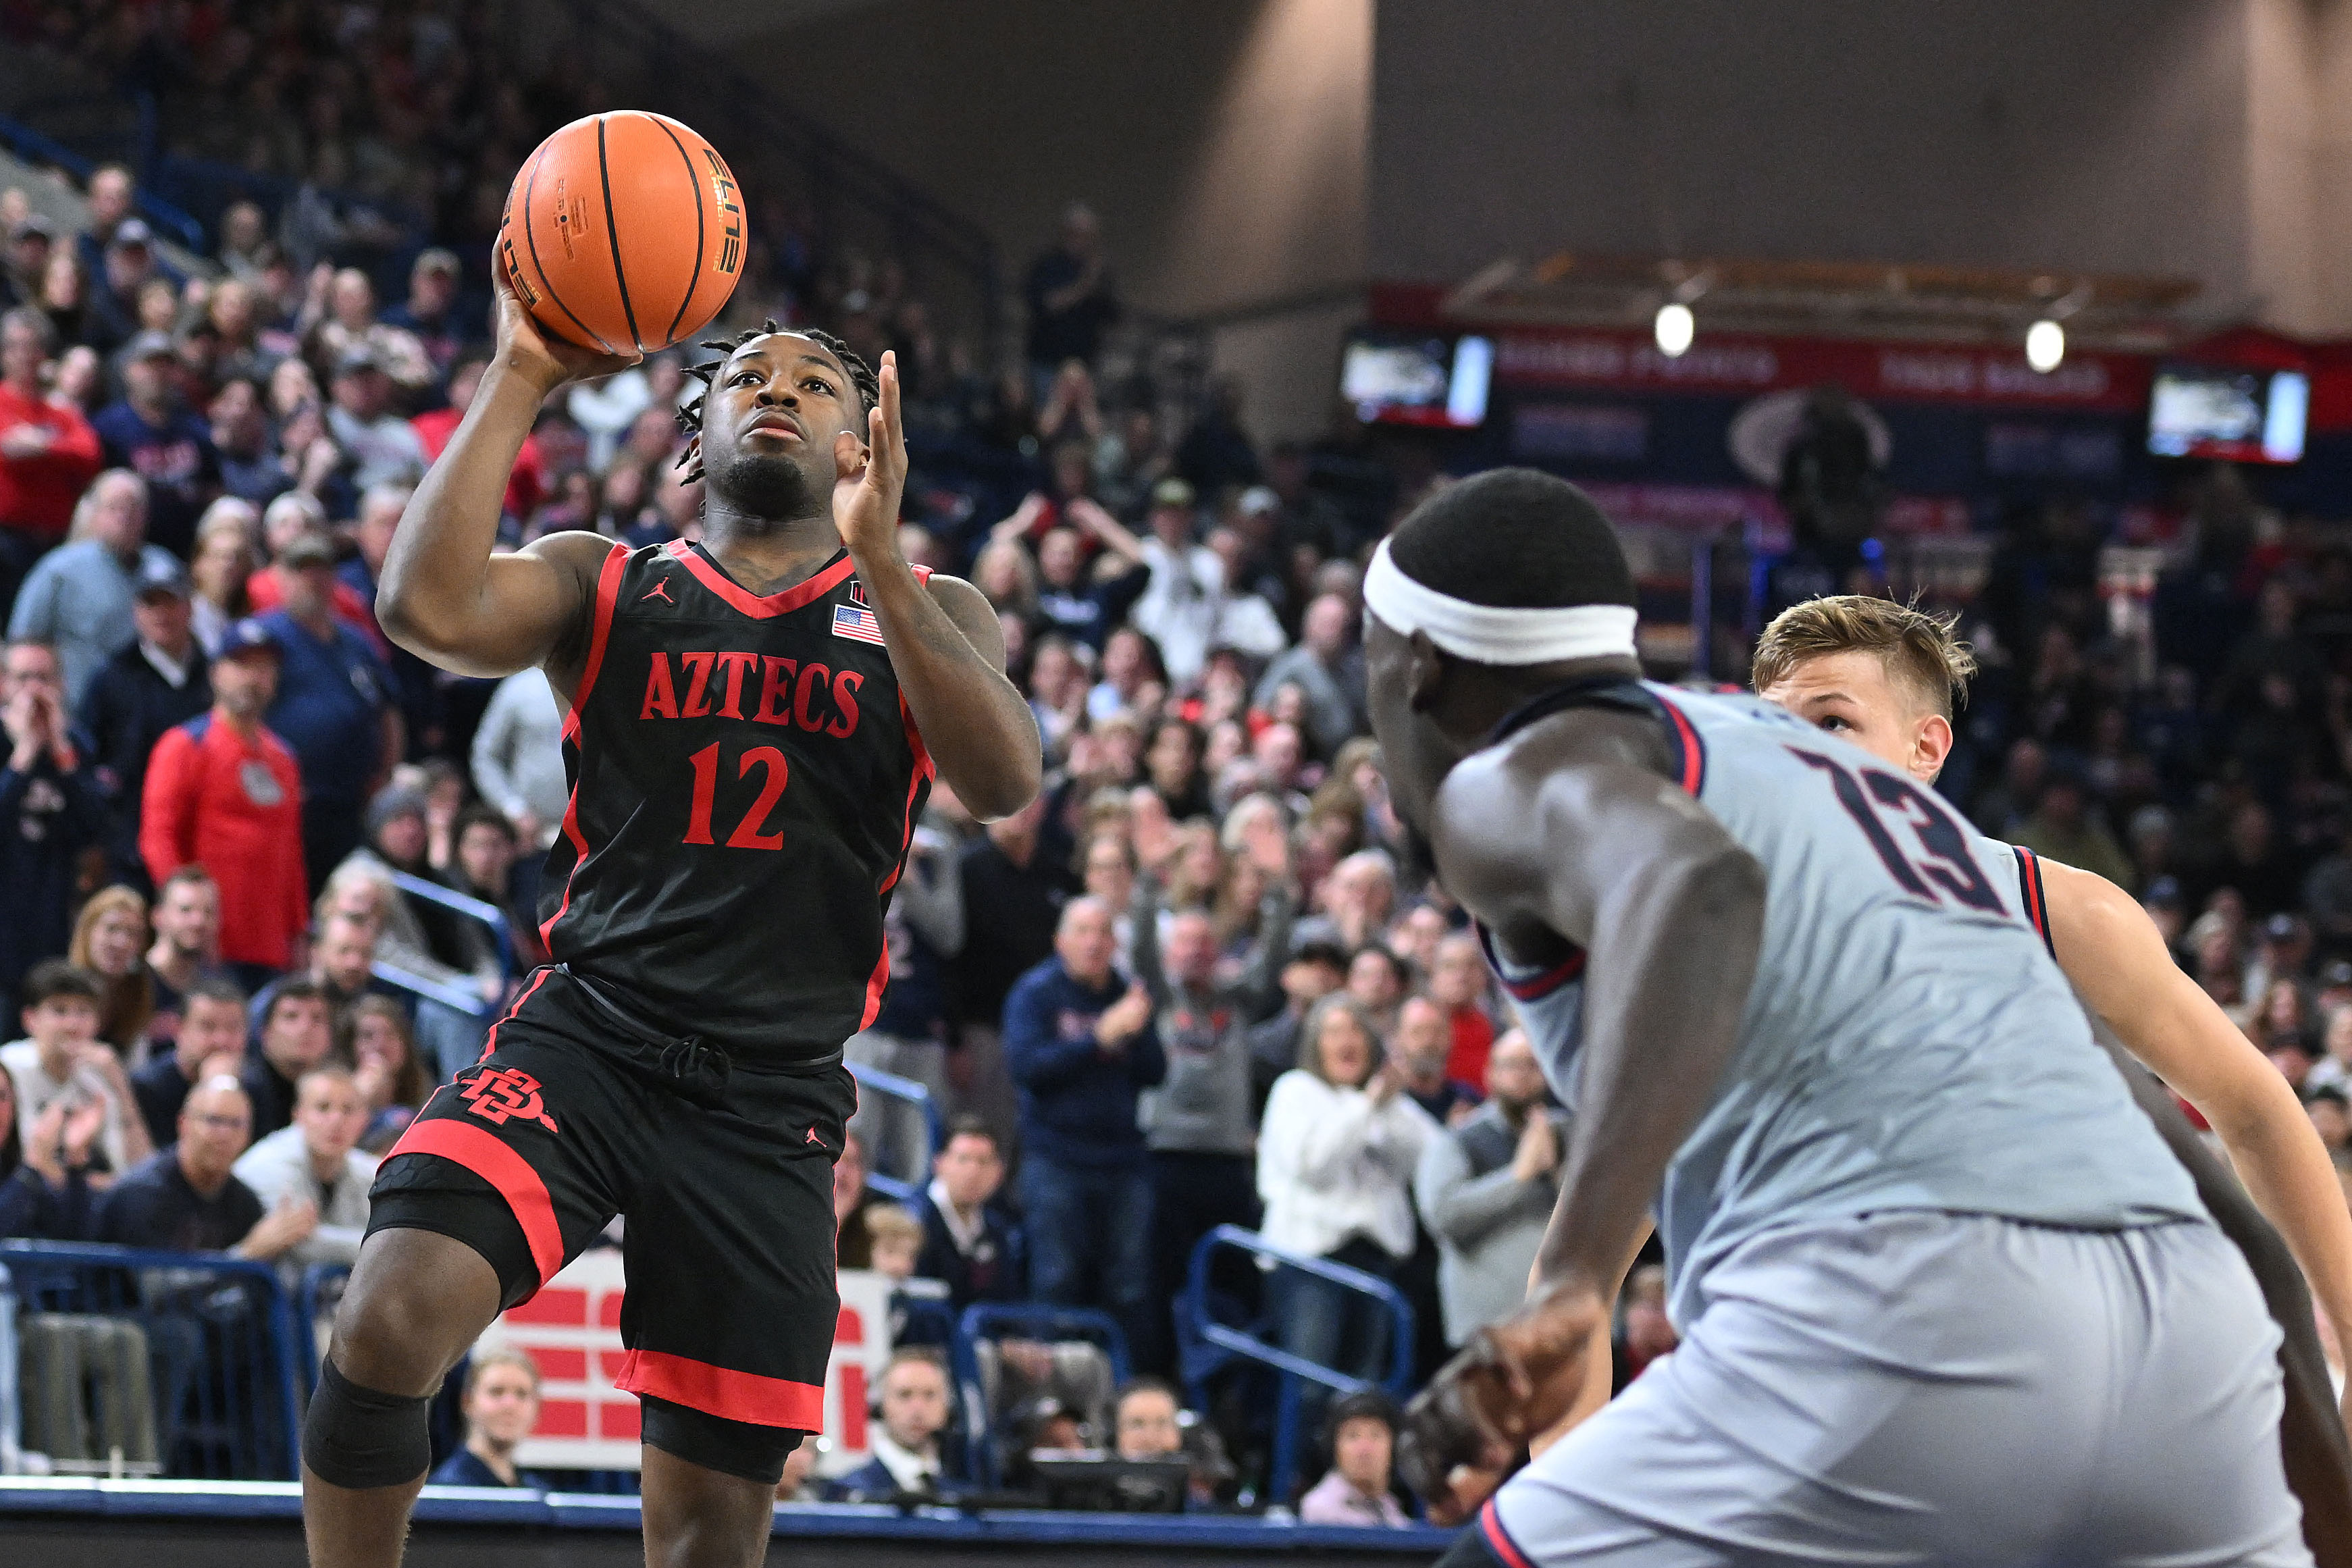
(1922, 1387)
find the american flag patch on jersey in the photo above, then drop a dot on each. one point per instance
(858, 622)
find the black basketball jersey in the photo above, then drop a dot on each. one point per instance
(744, 779)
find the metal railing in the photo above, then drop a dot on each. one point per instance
(462, 995)
(905, 1104)
(314, 1302)
(9, 1420)
(148, 1363)
(35, 147)
(1224, 1344)
(473, 908)
(463, 998)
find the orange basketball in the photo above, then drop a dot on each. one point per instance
(622, 232)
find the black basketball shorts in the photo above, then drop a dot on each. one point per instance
(724, 1175)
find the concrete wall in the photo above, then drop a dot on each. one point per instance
(1252, 160)
(1223, 142)
(2299, 156)
(2210, 139)
(2097, 133)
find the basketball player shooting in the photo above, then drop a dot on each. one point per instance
(1944, 1296)
(754, 723)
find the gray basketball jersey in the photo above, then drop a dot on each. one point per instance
(1909, 1043)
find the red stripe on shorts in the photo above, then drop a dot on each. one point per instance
(465, 1145)
(718, 1391)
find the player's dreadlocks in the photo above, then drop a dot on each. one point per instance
(689, 415)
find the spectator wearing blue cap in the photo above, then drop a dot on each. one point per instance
(113, 196)
(223, 792)
(118, 270)
(161, 680)
(333, 705)
(154, 434)
(384, 449)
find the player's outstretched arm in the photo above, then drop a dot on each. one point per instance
(445, 597)
(944, 641)
(2117, 961)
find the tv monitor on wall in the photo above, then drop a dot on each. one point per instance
(2236, 415)
(1398, 378)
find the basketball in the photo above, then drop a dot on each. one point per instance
(622, 232)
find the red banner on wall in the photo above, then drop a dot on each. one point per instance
(1624, 361)
(1622, 358)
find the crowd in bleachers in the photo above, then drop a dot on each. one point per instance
(1189, 986)
(234, 811)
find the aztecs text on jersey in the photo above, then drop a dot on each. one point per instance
(744, 778)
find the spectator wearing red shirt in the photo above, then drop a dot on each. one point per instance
(48, 454)
(223, 792)
(527, 485)
(1457, 982)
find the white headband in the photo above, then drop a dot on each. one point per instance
(1490, 634)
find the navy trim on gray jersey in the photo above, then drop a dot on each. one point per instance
(2028, 890)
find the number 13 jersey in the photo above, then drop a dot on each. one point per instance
(745, 777)
(1909, 1043)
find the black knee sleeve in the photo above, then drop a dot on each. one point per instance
(716, 1443)
(358, 1439)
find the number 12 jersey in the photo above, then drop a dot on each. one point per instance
(745, 777)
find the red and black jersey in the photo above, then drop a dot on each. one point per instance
(744, 777)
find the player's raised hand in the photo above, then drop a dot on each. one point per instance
(541, 358)
(872, 478)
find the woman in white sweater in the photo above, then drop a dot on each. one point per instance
(1335, 1154)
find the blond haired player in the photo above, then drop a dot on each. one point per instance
(1883, 676)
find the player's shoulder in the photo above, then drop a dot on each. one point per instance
(594, 564)
(582, 555)
(968, 608)
(953, 593)
(2079, 892)
(1494, 801)
(1727, 709)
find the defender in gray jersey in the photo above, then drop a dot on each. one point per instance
(1945, 1295)
(1887, 678)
